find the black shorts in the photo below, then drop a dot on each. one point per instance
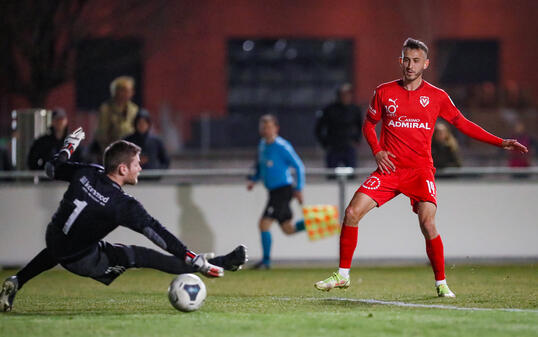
(278, 206)
(104, 262)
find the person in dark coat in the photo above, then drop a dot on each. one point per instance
(339, 129)
(153, 155)
(46, 146)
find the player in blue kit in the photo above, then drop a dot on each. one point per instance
(275, 157)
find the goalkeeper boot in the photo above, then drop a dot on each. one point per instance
(334, 281)
(235, 260)
(444, 291)
(7, 296)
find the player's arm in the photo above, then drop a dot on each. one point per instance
(454, 117)
(132, 214)
(253, 178)
(59, 168)
(373, 116)
(293, 160)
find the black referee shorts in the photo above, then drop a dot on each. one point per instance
(104, 262)
(278, 206)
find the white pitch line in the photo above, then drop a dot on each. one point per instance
(404, 304)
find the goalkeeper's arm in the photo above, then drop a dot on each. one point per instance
(133, 215)
(59, 167)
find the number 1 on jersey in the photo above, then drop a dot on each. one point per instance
(79, 206)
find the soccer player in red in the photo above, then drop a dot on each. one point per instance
(407, 109)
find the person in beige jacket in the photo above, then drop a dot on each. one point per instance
(116, 115)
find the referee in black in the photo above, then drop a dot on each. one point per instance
(93, 206)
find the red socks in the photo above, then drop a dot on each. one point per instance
(348, 243)
(434, 249)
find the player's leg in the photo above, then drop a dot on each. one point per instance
(106, 261)
(232, 261)
(277, 209)
(40, 263)
(359, 206)
(289, 227)
(266, 239)
(283, 214)
(434, 246)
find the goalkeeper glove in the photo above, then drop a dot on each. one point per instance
(199, 262)
(72, 141)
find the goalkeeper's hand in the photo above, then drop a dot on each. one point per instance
(206, 268)
(72, 141)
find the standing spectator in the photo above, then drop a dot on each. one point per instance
(445, 149)
(153, 155)
(46, 146)
(339, 129)
(116, 115)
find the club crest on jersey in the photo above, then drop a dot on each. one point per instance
(424, 100)
(391, 108)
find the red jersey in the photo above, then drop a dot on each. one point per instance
(409, 117)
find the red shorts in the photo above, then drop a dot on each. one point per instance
(417, 184)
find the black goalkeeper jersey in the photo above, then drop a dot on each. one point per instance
(92, 207)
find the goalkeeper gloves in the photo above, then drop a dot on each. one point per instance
(199, 262)
(72, 141)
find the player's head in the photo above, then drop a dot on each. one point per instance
(414, 59)
(269, 127)
(122, 88)
(122, 160)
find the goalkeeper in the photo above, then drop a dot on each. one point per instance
(93, 206)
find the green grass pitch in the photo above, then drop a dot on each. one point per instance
(281, 302)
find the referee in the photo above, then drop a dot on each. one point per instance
(272, 166)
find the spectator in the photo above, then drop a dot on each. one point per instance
(46, 146)
(520, 159)
(116, 115)
(153, 155)
(339, 129)
(445, 149)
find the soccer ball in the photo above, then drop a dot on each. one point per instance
(187, 292)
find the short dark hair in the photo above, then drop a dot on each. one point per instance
(119, 152)
(415, 44)
(269, 118)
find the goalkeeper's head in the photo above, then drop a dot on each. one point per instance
(122, 162)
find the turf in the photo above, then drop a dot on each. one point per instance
(280, 302)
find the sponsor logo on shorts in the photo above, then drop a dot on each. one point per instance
(372, 183)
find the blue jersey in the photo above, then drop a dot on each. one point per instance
(274, 162)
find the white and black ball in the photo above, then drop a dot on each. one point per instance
(187, 292)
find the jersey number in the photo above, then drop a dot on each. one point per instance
(79, 206)
(431, 187)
